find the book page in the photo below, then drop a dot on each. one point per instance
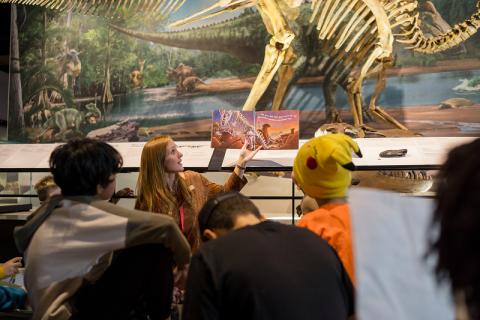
(272, 130)
(278, 130)
(231, 129)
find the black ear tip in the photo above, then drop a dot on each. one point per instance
(349, 166)
(359, 153)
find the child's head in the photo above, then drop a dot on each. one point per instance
(322, 166)
(46, 188)
(85, 167)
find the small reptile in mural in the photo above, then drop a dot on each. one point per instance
(347, 41)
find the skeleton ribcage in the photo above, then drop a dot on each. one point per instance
(348, 32)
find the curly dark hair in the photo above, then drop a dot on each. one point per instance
(457, 221)
(79, 165)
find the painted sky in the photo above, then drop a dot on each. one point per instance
(280, 122)
(192, 6)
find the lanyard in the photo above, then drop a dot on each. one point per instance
(182, 219)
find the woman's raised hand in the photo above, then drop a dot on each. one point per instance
(245, 156)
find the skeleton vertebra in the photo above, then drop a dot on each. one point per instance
(108, 8)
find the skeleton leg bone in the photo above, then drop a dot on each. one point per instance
(273, 59)
(285, 75)
(275, 52)
(329, 91)
(355, 92)
(376, 110)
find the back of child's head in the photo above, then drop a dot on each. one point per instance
(323, 164)
(457, 215)
(81, 165)
(45, 187)
(221, 211)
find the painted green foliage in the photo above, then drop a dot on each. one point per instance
(89, 36)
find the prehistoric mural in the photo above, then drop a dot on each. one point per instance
(402, 65)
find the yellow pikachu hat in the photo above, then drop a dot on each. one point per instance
(323, 164)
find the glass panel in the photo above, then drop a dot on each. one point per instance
(18, 186)
(412, 182)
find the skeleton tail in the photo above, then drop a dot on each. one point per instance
(407, 18)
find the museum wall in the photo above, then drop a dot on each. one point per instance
(137, 78)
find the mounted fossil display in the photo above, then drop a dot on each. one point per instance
(356, 42)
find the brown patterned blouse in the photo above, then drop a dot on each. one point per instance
(203, 189)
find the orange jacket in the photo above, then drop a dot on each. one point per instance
(332, 223)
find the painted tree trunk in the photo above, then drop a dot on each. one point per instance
(44, 98)
(107, 92)
(16, 120)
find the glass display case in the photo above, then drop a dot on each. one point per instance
(269, 175)
(22, 165)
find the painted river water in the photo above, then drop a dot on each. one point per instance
(403, 91)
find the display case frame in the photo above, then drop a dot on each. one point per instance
(423, 153)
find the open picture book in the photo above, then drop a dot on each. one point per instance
(272, 130)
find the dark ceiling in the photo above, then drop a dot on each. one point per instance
(4, 36)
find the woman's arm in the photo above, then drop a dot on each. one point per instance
(245, 156)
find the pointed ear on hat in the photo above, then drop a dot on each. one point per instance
(349, 166)
(342, 153)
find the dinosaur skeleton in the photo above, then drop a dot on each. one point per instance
(107, 8)
(233, 122)
(359, 38)
(225, 120)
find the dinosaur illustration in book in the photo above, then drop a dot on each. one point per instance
(231, 126)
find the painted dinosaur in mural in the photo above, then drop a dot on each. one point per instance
(66, 123)
(185, 79)
(346, 41)
(136, 76)
(69, 67)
